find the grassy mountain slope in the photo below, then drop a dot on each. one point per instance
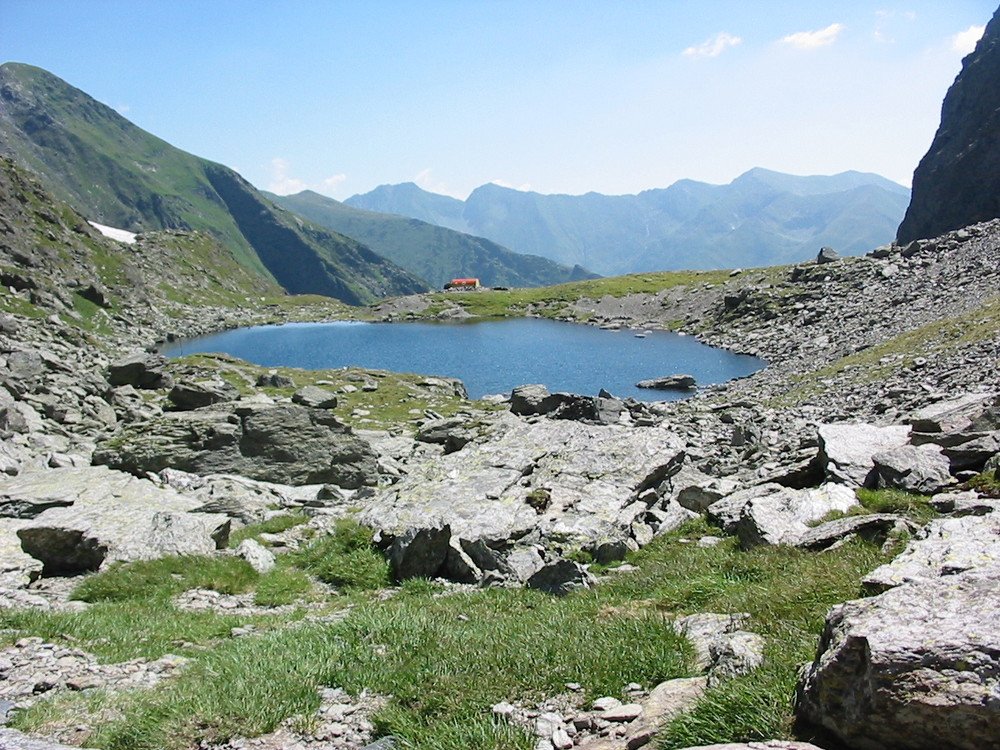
(761, 218)
(53, 261)
(434, 253)
(117, 174)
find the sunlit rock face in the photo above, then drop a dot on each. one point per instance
(957, 183)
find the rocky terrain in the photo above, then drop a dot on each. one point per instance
(883, 373)
(883, 382)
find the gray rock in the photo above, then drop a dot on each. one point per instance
(560, 577)
(524, 562)
(19, 417)
(417, 552)
(869, 526)
(491, 489)
(726, 512)
(140, 370)
(110, 516)
(665, 702)
(943, 548)
(782, 517)
(203, 393)
(526, 400)
(952, 415)
(735, 654)
(260, 558)
(921, 469)
(846, 450)
(285, 444)
(827, 255)
(274, 380)
(916, 667)
(315, 397)
(670, 383)
(973, 454)
(968, 503)
(246, 500)
(459, 565)
(11, 739)
(453, 432)
(722, 648)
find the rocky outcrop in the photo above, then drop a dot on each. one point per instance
(915, 668)
(287, 444)
(95, 515)
(957, 183)
(561, 484)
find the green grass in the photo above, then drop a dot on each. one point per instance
(166, 577)
(911, 505)
(344, 558)
(273, 525)
(446, 659)
(514, 302)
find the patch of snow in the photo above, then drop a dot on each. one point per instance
(116, 234)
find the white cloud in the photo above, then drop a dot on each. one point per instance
(123, 109)
(814, 39)
(281, 183)
(713, 46)
(332, 183)
(965, 41)
(426, 179)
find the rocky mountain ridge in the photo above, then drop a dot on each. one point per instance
(761, 218)
(956, 182)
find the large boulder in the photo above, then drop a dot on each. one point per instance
(286, 444)
(108, 515)
(783, 517)
(846, 451)
(915, 668)
(194, 395)
(922, 469)
(773, 514)
(140, 370)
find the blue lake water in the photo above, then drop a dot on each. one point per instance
(488, 356)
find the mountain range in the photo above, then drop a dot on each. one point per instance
(760, 218)
(434, 253)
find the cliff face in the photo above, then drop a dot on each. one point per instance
(957, 183)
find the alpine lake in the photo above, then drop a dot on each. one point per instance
(489, 357)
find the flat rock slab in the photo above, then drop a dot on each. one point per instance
(570, 482)
(917, 667)
(943, 547)
(109, 515)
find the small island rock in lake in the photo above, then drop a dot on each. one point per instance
(669, 383)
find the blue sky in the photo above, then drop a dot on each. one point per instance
(557, 96)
